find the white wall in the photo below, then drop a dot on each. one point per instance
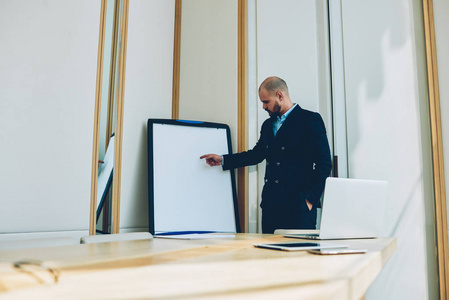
(441, 13)
(48, 65)
(389, 134)
(148, 94)
(254, 211)
(295, 48)
(209, 63)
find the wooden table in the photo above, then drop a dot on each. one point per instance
(184, 269)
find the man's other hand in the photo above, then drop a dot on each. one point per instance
(212, 159)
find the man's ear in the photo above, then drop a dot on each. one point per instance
(280, 95)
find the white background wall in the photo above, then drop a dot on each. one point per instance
(48, 65)
(295, 48)
(441, 15)
(389, 134)
(148, 94)
(252, 115)
(209, 63)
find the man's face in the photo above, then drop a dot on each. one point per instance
(270, 102)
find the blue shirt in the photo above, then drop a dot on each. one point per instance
(280, 120)
(276, 124)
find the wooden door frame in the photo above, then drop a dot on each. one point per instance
(119, 123)
(437, 150)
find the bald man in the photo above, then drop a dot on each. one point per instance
(294, 144)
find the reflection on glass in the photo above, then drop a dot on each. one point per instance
(111, 58)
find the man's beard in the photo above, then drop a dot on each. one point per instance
(275, 112)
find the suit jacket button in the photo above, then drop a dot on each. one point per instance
(278, 163)
(268, 163)
(283, 148)
(276, 181)
(266, 180)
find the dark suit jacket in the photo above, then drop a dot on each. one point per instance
(298, 160)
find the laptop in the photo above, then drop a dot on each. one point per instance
(352, 209)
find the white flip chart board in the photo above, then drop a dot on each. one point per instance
(185, 194)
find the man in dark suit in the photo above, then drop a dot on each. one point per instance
(294, 143)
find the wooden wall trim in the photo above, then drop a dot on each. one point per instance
(242, 192)
(437, 150)
(176, 60)
(97, 112)
(119, 131)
